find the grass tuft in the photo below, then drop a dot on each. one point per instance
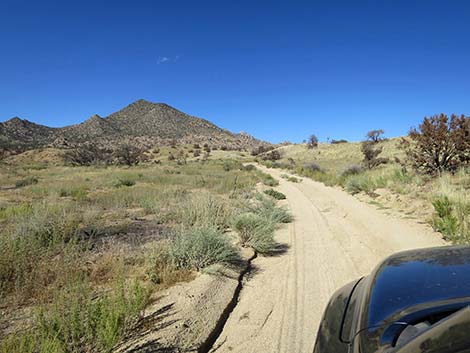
(124, 182)
(200, 247)
(255, 231)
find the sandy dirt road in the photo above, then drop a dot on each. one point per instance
(334, 239)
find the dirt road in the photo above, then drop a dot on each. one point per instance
(334, 239)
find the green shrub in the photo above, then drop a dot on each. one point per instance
(229, 165)
(124, 182)
(77, 322)
(78, 193)
(314, 172)
(255, 231)
(360, 183)
(275, 194)
(14, 211)
(249, 168)
(203, 210)
(268, 209)
(41, 231)
(268, 180)
(402, 176)
(200, 247)
(26, 181)
(445, 221)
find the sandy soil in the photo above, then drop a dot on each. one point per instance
(183, 317)
(334, 239)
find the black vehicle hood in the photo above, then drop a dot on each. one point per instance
(416, 277)
(408, 286)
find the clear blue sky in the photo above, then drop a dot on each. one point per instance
(278, 70)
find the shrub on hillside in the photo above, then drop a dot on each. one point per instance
(452, 219)
(360, 183)
(313, 167)
(272, 156)
(181, 157)
(229, 165)
(371, 154)
(444, 221)
(129, 154)
(260, 150)
(336, 142)
(353, 169)
(88, 154)
(439, 144)
(375, 135)
(312, 142)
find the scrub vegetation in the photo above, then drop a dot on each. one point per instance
(84, 248)
(429, 168)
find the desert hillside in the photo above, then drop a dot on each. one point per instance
(144, 122)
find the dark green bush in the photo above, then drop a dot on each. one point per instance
(249, 167)
(275, 194)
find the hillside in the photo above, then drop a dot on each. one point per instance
(21, 132)
(336, 157)
(143, 121)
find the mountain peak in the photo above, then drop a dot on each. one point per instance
(156, 123)
(15, 119)
(141, 102)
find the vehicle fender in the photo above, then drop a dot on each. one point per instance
(328, 337)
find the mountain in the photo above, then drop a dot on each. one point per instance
(142, 121)
(21, 132)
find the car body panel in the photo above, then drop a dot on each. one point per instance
(329, 333)
(405, 289)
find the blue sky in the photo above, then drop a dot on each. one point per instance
(279, 70)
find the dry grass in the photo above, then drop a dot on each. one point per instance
(75, 226)
(339, 165)
(335, 157)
